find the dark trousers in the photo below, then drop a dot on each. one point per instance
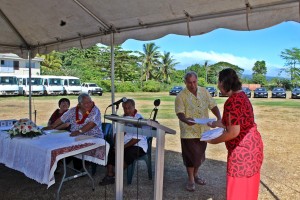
(130, 154)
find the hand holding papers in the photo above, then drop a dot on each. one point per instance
(211, 134)
(202, 121)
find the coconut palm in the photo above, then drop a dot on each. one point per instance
(167, 67)
(149, 60)
(52, 61)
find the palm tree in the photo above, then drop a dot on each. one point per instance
(167, 67)
(51, 61)
(149, 60)
(205, 65)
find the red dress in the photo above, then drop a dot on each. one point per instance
(56, 115)
(245, 152)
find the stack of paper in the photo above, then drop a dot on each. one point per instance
(211, 134)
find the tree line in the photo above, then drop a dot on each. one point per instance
(151, 70)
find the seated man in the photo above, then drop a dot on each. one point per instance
(135, 145)
(85, 119)
(64, 105)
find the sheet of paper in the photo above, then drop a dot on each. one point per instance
(211, 134)
(83, 137)
(53, 131)
(203, 121)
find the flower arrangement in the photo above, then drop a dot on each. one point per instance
(24, 128)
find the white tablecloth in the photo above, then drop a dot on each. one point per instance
(37, 157)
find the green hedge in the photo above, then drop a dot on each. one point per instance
(151, 86)
(105, 85)
(127, 87)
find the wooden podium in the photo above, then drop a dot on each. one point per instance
(137, 126)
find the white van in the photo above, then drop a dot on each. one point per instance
(71, 85)
(52, 85)
(8, 85)
(37, 87)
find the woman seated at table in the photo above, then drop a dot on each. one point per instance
(64, 105)
(85, 118)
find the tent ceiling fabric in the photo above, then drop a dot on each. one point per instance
(43, 25)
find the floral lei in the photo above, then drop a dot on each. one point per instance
(85, 115)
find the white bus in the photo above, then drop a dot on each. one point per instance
(8, 85)
(37, 87)
(52, 85)
(71, 85)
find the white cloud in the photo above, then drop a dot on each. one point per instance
(188, 58)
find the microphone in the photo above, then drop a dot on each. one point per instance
(156, 104)
(124, 99)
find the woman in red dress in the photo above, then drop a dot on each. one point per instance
(64, 105)
(242, 139)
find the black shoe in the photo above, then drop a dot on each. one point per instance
(107, 180)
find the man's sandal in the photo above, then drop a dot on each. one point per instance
(200, 181)
(190, 187)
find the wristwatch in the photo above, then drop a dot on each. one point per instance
(80, 131)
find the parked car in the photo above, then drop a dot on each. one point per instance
(261, 92)
(278, 93)
(91, 89)
(247, 91)
(296, 93)
(175, 90)
(212, 91)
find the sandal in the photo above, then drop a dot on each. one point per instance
(190, 187)
(200, 181)
(107, 180)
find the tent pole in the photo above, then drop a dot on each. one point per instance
(112, 77)
(29, 85)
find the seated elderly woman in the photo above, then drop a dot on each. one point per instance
(64, 105)
(85, 118)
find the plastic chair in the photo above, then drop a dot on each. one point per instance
(107, 130)
(146, 158)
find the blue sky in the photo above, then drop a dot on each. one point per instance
(242, 48)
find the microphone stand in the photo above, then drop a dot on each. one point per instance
(155, 113)
(117, 108)
(155, 109)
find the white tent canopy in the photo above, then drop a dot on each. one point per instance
(42, 25)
